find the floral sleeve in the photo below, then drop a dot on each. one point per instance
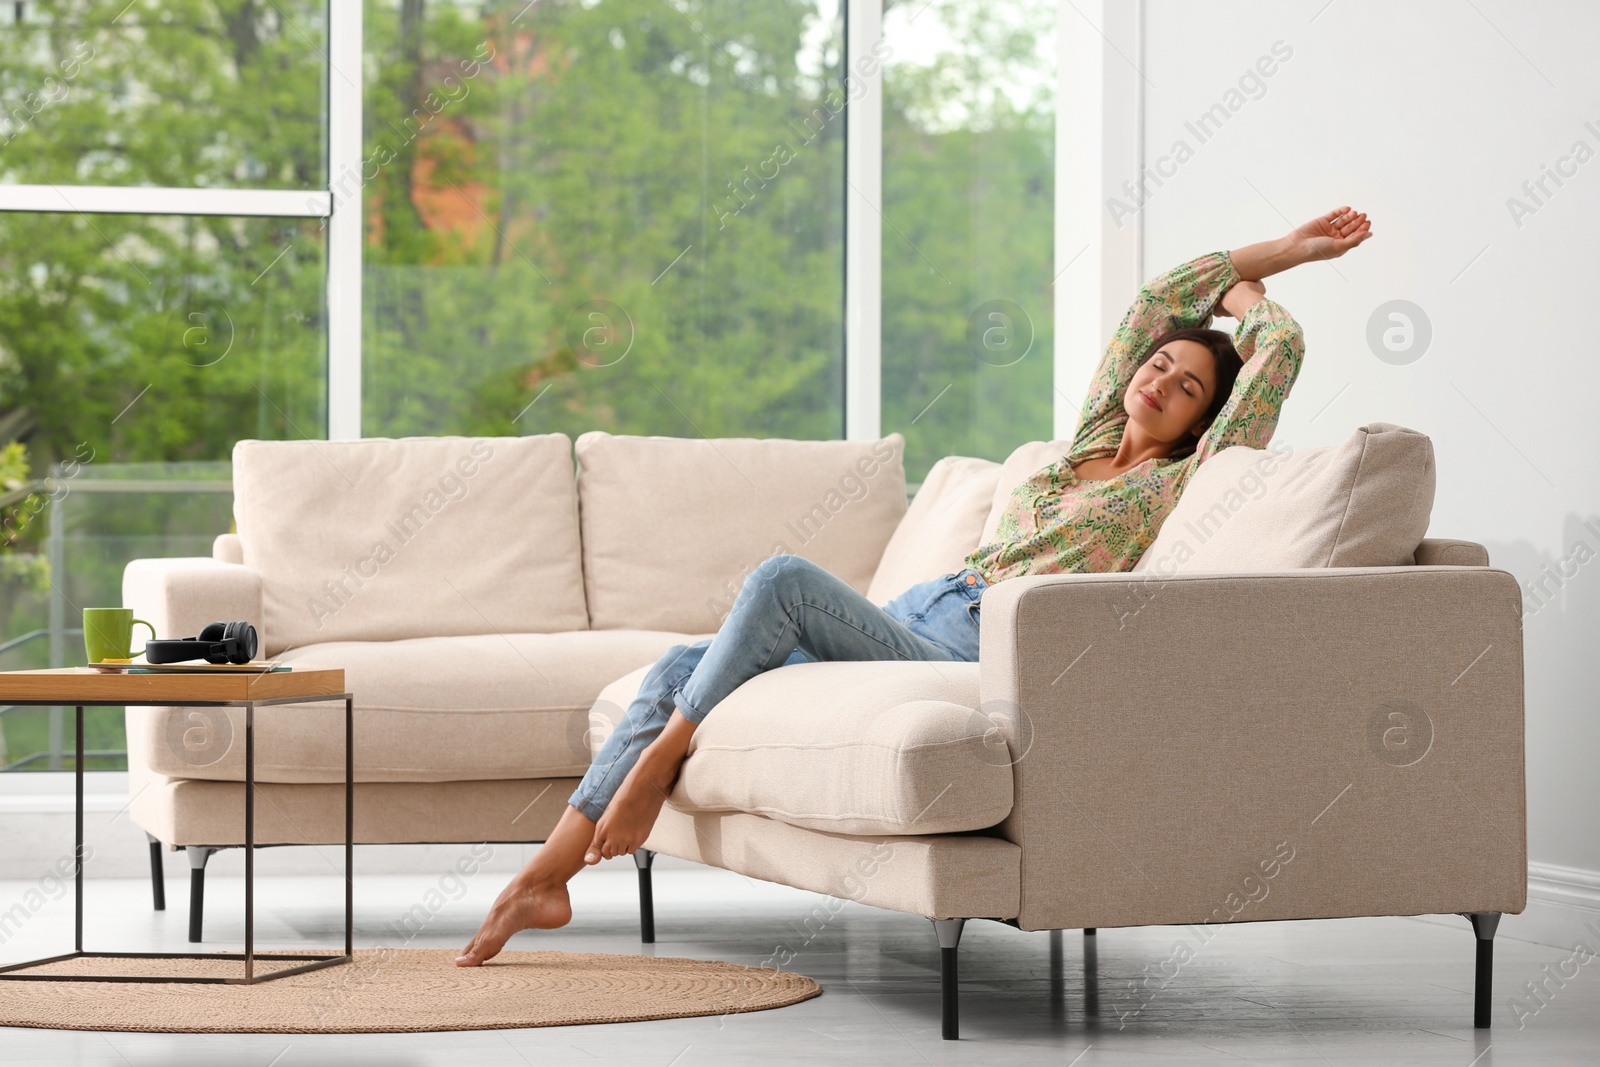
(1184, 296)
(1272, 346)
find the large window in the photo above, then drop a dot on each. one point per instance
(292, 219)
(175, 93)
(159, 299)
(622, 216)
(968, 183)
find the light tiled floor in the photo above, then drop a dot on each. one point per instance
(1352, 991)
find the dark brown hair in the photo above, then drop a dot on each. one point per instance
(1228, 365)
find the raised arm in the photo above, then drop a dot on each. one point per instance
(1272, 347)
(1268, 339)
(1222, 283)
(1184, 296)
(1327, 236)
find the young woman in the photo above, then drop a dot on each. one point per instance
(1169, 394)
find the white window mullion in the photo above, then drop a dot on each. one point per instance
(1097, 149)
(141, 200)
(863, 241)
(344, 221)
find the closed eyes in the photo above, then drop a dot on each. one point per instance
(1161, 366)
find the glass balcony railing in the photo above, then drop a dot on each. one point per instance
(93, 527)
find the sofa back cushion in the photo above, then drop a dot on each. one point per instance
(1362, 503)
(382, 538)
(940, 528)
(671, 526)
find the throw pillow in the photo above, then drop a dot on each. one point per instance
(1362, 503)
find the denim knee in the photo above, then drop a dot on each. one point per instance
(784, 567)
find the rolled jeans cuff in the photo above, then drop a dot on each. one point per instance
(586, 805)
(685, 707)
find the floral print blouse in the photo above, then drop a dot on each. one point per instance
(1056, 522)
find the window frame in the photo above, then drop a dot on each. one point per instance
(1099, 144)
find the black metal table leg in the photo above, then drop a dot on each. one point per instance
(77, 849)
(198, 854)
(349, 827)
(249, 840)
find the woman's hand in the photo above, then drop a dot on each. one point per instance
(1239, 298)
(1332, 235)
(1327, 236)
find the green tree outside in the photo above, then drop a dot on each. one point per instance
(585, 214)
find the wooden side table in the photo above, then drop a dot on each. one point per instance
(87, 687)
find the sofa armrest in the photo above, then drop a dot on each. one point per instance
(227, 548)
(1451, 552)
(1293, 744)
(179, 595)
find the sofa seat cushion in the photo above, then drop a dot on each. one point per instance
(879, 747)
(382, 538)
(427, 709)
(1364, 502)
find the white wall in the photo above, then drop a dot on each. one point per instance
(1428, 115)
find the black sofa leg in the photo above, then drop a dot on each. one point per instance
(1091, 977)
(1484, 924)
(198, 855)
(642, 858)
(1058, 978)
(158, 887)
(949, 934)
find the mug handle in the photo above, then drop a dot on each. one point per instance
(152, 629)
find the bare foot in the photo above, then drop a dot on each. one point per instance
(519, 907)
(627, 820)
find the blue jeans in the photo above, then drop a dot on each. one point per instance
(789, 610)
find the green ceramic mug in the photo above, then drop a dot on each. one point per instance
(108, 633)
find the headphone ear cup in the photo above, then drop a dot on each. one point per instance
(213, 633)
(219, 638)
(240, 642)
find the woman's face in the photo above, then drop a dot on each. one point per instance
(1171, 390)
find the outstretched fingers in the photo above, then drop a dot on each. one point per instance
(1352, 233)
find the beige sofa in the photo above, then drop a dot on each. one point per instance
(1296, 706)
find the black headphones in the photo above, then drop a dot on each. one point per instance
(219, 642)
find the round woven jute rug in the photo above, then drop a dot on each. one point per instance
(398, 991)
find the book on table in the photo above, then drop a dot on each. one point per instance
(253, 667)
